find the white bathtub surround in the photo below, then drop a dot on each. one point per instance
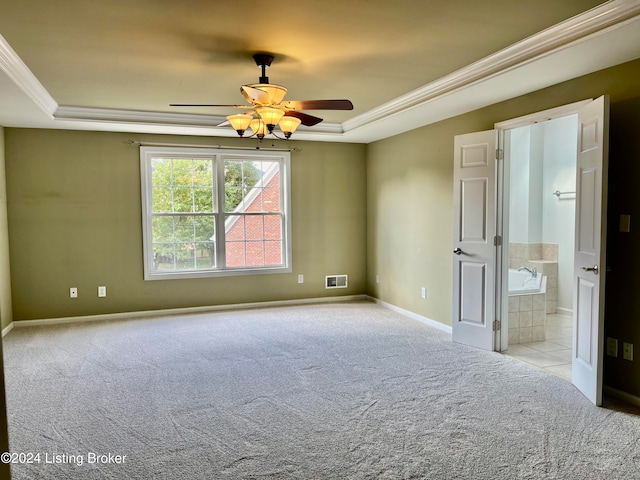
(527, 317)
(544, 258)
(522, 281)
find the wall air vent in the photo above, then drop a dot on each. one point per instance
(336, 281)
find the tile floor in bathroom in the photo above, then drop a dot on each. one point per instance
(552, 355)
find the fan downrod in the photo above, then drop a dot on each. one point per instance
(263, 60)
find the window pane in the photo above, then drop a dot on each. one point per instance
(234, 252)
(202, 173)
(239, 179)
(253, 227)
(163, 256)
(182, 199)
(254, 256)
(162, 200)
(185, 256)
(268, 172)
(273, 227)
(205, 229)
(185, 229)
(161, 172)
(205, 255)
(162, 230)
(232, 197)
(183, 172)
(234, 228)
(271, 199)
(273, 253)
(203, 198)
(246, 244)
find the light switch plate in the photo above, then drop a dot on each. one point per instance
(625, 223)
(102, 291)
(612, 347)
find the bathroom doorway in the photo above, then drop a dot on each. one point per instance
(540, 176)
(481, 191)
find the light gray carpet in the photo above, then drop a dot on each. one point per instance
(334, 391)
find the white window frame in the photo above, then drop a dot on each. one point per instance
(147, 153)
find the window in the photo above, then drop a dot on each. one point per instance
(213, 213)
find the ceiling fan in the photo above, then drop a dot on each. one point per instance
(268, 109)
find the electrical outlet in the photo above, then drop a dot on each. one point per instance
(300, 278)
(73, 292)
(627, 351)
(377, 278)
(102, 291)
(424, 292)
(612, 347)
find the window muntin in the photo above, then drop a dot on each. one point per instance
(187, 235)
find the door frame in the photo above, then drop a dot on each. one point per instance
(502, 216)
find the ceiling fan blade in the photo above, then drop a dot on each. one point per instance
(254, 95)
(207, 105)
(224, 124)
(318, 105)
(307, 120)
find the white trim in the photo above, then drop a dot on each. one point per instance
(282, 158)
(185, 311)
(412, 315)
(564, 311)
(91, 114)
(543, 116)
(144, 117)
(7, 329)
(13, 66)
(620, 395)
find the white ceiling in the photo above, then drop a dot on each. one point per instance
(115, 65)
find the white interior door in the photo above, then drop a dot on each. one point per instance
(473, 254)
(589, 263)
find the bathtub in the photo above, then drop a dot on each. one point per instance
(523, 283)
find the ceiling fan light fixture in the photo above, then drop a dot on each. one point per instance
(270, 116)
(288, 125)
(259, 128)
(240, 122)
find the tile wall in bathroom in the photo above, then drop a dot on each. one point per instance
(527, 318)
(544, 258)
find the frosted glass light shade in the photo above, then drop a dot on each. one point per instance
(288, 125)
(270, 116)
(240, 122)
(259, 128)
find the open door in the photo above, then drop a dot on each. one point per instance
(474, 284)
(590, 247)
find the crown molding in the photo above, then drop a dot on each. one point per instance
(13, 66)
(141, 117)
(592, 22)
(92, 114)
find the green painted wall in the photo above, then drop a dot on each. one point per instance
(410, 207)
(6, 308)
(75, 221)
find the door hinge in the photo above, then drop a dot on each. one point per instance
(497, 240)
(497, 325)
(499, 154)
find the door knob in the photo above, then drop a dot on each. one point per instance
(593, 269)
(457, 251)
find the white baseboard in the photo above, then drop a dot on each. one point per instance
(564, 311)
(7, 329)
(414, 316)
(624, 396)
(183, 311)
